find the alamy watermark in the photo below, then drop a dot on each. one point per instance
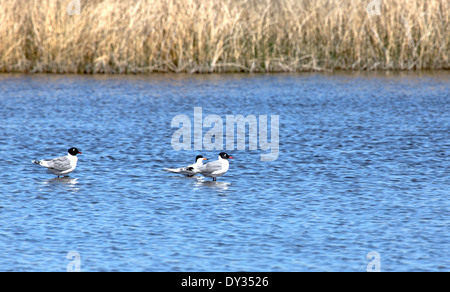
(375, 262)
(75, 263)
(373, 8)
(74, 7)
(214, 138)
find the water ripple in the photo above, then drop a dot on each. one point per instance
(363, 166)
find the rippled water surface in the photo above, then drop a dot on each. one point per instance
(363, 166)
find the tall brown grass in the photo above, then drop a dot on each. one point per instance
(140, 36)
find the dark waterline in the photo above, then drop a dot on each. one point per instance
(363, 166)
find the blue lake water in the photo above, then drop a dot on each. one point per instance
(363, 165)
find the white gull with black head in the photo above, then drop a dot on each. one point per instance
(216, 168)
(63, 165)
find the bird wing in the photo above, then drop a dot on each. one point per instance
(59, 164)
(210, 167)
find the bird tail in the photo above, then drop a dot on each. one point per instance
(36, 161)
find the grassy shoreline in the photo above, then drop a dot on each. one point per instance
(222, 36)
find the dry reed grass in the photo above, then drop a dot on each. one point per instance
(141, 36)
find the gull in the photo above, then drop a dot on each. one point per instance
(216, 168)
(63, 165)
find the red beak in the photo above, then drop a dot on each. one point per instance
(80, 153)
(230, 157)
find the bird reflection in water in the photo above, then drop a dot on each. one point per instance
(69, 182)
(221, 186)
